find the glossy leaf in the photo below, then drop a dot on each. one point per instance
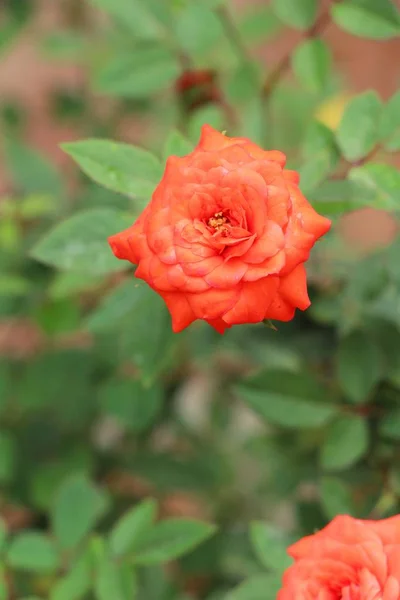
(358, 131)
(368, 18)
(133, 14)
(115, 581)
(320, 156)
(346, 442)
(382, 182)
(134, 406)
(131, 527)
(147, 71)
(269, 546)
(299, 14)
(287, 399)
(116, 306)
(32, 173)
(119, 167)
(336, 497)
(257, 587)
(78, 506)
(80, 243)
(76, 583)
(258, 24)
(311, 63)
(359, 366)
(196, 28)
(171, 538)
(389, 128)
(32, 551)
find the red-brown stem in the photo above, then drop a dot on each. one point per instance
(283, 66)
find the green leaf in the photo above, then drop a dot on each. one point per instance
(146, 71)
(287, 399)
(32, 551)
(269, 546)
(299, 14)
(311, 63)
(257, 587)
(258, 24)
(7, 456)
(77, 507)
(147, 338)
(244, 83)
(346, 442)
(171, 538)
(358, 131)
(13, 286)
(119, 167)
(335, 497)
(80, 243)
(196, 28)
(359, 366)
(320, 156)
(31, 172)
(76, 583)
(382, 182)
(114, 581)
(130, 528)
(333, 198)
(116, 306)
(368, 18)
(133, 405)
(69, 283)
(389, 426)
(133, 14)
(389, 127)
(176, 145)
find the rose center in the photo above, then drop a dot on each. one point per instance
(219, 222)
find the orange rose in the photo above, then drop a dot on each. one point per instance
(349, 559)
(225, 235)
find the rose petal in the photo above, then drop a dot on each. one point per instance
(214, 303)
(293, 288)
(219, 325)
(203, 267)
(180, 310)
(280, 310)
(269, 244)
(271, 266)
(253, 301)
(227, 274)
(238, 249)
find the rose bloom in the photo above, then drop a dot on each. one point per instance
(349, 559)
(225, 235)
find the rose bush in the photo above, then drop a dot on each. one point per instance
(225, 236)
(349, 559)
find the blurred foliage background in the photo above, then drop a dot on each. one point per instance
(138, 464)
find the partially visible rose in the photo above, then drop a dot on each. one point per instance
(196, 88)
(225, 236)
(195, 78)
(350, 559)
